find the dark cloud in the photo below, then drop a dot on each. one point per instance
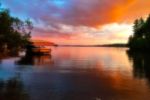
(72, 12)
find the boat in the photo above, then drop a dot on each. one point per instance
(39, 48)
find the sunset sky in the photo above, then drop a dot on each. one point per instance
(80, 21)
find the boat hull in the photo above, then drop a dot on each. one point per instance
(41, 50)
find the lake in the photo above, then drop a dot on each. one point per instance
(76, 73)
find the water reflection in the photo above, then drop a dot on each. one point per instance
(13, 89)
(35, 60)
(141, 64)
(80, 74)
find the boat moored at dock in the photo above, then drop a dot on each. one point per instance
(39, 48)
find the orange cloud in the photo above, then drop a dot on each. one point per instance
(131, 10)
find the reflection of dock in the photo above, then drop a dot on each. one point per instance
(35, 60)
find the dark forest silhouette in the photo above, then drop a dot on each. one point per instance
(14, 33)
(140, 40)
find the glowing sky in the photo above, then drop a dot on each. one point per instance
(80, 21)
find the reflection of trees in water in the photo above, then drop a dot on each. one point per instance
(26, 60)
(12, 89)
(141, 64)
(35, 60)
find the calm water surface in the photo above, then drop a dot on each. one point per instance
(76, 73)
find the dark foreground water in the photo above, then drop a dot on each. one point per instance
(76, 73)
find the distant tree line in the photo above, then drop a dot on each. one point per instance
(140, 40)
(14, 33)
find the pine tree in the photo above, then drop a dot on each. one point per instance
(141, 37)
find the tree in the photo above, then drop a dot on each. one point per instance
(14, 33)
(147, 28)
(141, 37)
(138, 27)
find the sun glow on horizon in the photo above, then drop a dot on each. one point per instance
(109, 33)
